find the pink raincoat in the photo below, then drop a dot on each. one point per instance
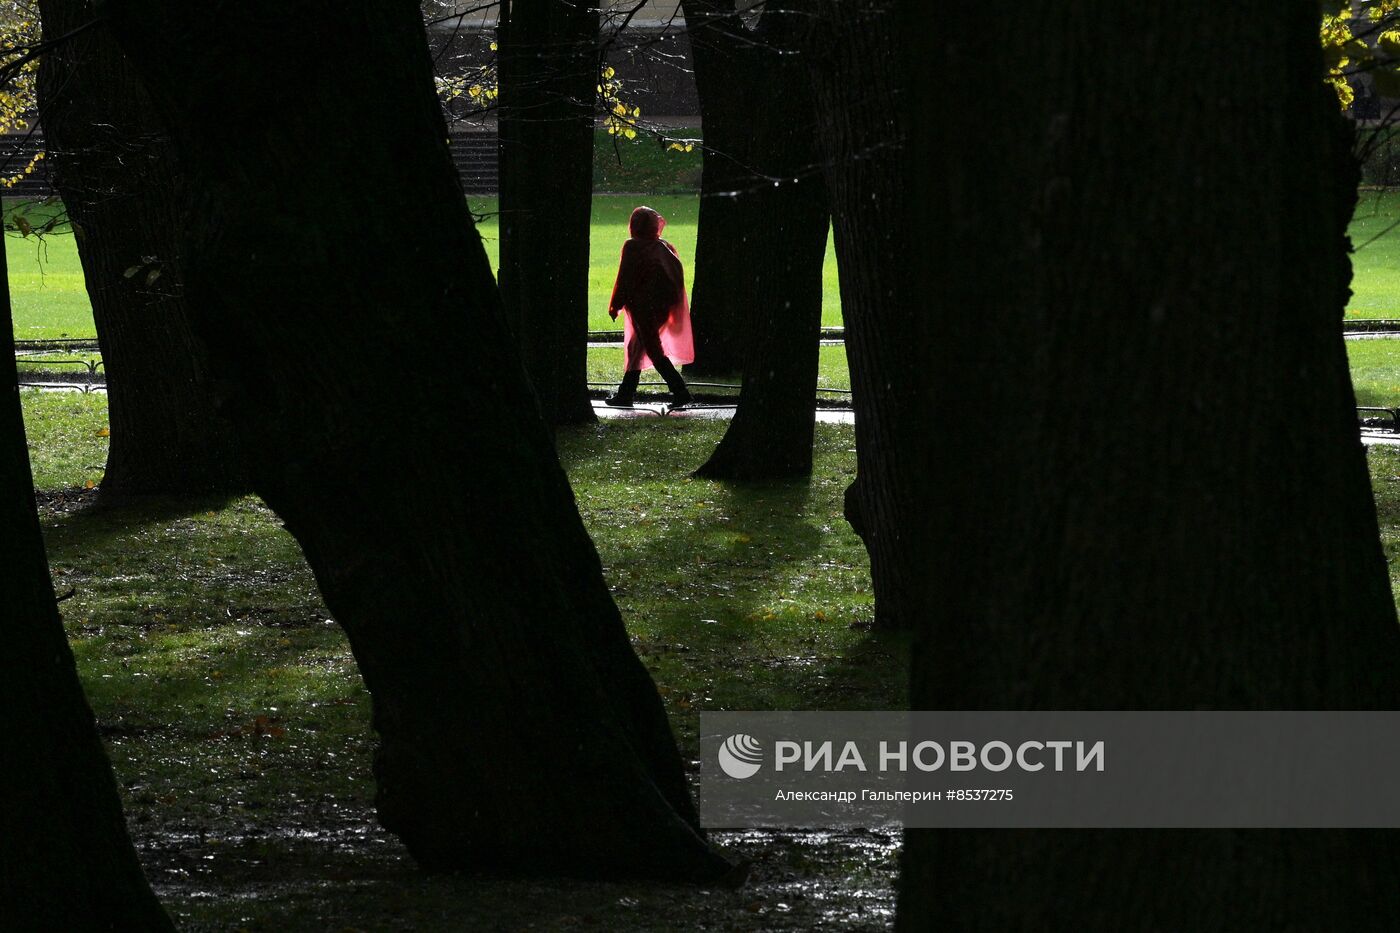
(650, 286)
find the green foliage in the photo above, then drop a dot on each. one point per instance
(479, 85)
(651, 164)
(1361, 36)
(19, 31)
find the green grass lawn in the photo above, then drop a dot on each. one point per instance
(47, 293)
(46, 280)
(238, 727)
(610, 215)
(1385, 486)
(1376, 263)
(1375, 371)
(50, 301)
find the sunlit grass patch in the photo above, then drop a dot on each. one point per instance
(67, 433)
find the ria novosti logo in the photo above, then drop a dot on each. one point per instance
(740, 756)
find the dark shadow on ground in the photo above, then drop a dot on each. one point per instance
(78, 515)
(238, 727)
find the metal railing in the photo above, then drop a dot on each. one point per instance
(1389, 414)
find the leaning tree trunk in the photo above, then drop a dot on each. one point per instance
(66, 862)
(1146, 490)
(727, 243)
(519, 732)
(862, 109)
(771, 434)
(548, 67)
(112, 165)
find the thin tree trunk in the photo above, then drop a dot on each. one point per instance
(519, 732)
(862, 108)
(771, 434)
(113, 167)
(66, 861)
(726, 234)
(1146, 490)
(548, 55)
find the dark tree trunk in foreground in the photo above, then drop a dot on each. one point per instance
(66, 862)
(113, 167)
(726, 235)
(519, 732)
(862, 108)
(1146, 490)
(548, 54)
(771, 434)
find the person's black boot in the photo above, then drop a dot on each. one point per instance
(680, 395)
(626, 392)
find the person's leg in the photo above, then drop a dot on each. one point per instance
(632, 374)
(636, 347)
(627, 391)
(679, 393)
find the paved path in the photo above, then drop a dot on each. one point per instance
(699, 412)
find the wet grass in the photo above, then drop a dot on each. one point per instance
(1385, 485)
(238, 727)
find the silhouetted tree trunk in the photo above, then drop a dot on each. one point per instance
(771, 434)
(548, 67)
(113, 167)
(519, 732)
(1145, 489)
(727, 243)
(862, 109)
(66, 862)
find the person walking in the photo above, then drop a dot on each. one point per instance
(650, 288)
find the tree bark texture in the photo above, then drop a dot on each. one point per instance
(66, 861)
(727, 243)
(861, 95)
(771, 434)
(519, 732)
(548, 55)
(1145, 488)
(113, 166)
